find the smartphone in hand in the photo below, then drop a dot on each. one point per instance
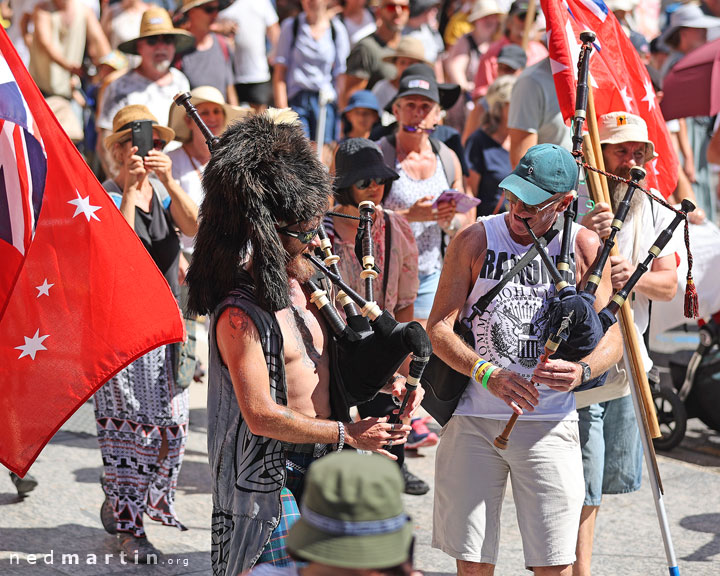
(142, 136)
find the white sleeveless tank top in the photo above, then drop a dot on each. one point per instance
(509, 333)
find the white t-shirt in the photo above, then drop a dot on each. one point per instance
(633, 241)
(253, 18)
(132, 88)
(357, 32)
(189, 176)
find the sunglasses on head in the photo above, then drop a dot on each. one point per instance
(303, 236)
(367, 182)
(164, 38)
(210, 8)
(391, 7)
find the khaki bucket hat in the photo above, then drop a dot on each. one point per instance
(122, 124)
(619, 127)
(198, 96)
(157, 22)
(408, 47)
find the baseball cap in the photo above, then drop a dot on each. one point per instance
(545, 170)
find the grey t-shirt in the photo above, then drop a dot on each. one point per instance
(534, 106)
(211, 67)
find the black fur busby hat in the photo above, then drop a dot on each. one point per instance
(262, 174)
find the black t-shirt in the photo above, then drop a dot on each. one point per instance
(489, 159)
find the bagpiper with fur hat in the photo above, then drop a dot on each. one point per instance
(270, 369)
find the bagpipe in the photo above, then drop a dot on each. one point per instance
(370, 345)
(574, 328)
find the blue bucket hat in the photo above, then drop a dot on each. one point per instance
(362, 99)
(545, 170)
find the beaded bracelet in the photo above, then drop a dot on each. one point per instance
(341, 436)
(473, 373)
(486, 376)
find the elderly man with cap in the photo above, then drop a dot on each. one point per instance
(543, 454)
(352, 524)
(210, 62)
(154, 82)
(609, 435)
(275, 403)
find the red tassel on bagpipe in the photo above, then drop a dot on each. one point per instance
(691, 295)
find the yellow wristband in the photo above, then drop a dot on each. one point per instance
(473, 373)
(481, 371)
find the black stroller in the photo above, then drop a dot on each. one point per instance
(694, 391)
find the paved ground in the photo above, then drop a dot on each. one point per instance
(62, 515)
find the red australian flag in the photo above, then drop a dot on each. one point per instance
(80, 298)
(619, 79)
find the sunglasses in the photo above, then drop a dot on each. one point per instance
(164, 38)
(367, 182)
(390, 7)
(532, 210)
(303, 236)
(210, 9)
(159, 144)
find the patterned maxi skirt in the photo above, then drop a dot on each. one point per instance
(133, 411)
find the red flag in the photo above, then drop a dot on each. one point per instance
(80, 297)
(619, 79)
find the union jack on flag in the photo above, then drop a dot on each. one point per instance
(23, 169)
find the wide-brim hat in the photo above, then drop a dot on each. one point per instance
(483, 8)
(419, 79)
(198, 96)
(352, 514)
(362, 99)
(688, 16)
(188, 5)
(408, 47)
(359, 159)
(157, 22)
(545, 170)
(122, 124)
(619, 127)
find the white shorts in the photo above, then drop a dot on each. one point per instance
(544, 461)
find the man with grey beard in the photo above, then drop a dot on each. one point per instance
(153, 83)
(609, 435)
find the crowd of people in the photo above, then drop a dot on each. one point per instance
(442, 114)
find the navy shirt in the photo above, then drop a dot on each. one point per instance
(489, 159)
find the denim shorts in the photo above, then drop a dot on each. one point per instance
(426, 294)
(611, 449)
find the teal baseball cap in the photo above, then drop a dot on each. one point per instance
(545, 170)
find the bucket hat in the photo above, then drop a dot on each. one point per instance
(419, 79)
(157, 22)
(198, 96)
(688, 16)
(483, 8)
(352, 514)
(188, 5)
(618, 127)
(359, 159)
(545, 170)
(512, 56)
(408, 47)
(362, 99)
(126, 116)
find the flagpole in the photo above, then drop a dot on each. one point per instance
(599, 192)
(529, 22)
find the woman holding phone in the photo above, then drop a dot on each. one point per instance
(426, 168)
(141, 414)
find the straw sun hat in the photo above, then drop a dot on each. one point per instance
(198, 96)
(157, 22)
(122, 124)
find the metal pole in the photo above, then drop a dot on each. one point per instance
(653, 475)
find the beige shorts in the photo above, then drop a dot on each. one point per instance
(544, 462)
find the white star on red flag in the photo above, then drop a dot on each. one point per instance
(32, 345)
(83, 206)
(627, 99)
(44, 288)
(649, 94)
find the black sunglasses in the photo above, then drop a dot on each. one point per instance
(164, 38)
(159, 143)
(303, 236)
(364, 184)
(211, 9)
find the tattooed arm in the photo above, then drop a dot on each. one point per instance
(241, 350)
